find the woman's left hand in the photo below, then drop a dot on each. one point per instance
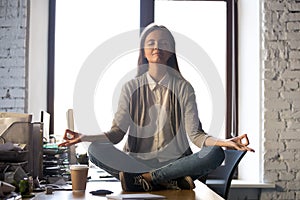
(240, 143)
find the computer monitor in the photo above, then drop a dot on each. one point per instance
(45, 119)
(70, 119)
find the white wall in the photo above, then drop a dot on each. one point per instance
(37, 57)
(250, 87)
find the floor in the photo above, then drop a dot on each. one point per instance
(201, 192)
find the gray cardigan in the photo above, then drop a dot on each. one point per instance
(132, 117)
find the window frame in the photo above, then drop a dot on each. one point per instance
(51, 65)
(147, 9)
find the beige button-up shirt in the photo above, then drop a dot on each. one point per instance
(158, 117)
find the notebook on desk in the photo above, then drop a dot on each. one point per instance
(135, 196)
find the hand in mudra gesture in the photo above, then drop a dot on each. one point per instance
(240, 143)
(71, 138)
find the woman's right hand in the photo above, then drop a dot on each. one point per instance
(71, 138)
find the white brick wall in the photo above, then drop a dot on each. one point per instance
(13, 14)
(281, 64)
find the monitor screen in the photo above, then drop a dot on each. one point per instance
(45, 119)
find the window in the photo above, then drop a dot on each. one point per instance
(249, 57)
(151, 11)
(207, 29)
(77, 35)
(81, 27)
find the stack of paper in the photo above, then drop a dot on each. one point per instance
(135, 196)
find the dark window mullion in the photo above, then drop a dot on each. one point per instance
(51, 60)
(232, 71)
(235, 74)
(229, 63)
(146, 13)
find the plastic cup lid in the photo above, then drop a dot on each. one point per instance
(78, 167)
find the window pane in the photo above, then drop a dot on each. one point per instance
(204, 23)
(81, 26)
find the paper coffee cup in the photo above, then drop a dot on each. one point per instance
(79, 175)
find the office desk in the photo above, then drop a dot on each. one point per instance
(201, 192)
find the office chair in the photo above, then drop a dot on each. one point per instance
(220, 179)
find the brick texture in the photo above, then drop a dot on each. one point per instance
(13, 17)
(281, 69)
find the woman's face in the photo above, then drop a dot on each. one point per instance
(157, 47)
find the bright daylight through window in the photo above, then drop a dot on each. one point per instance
(83, 27)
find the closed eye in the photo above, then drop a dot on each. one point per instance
(150, 43)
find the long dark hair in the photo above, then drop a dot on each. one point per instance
(143, 62)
